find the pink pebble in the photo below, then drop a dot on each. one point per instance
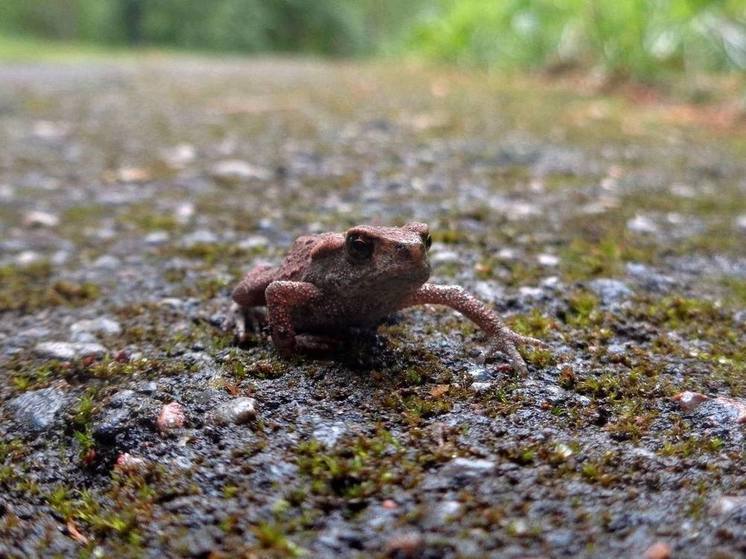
(171, 417)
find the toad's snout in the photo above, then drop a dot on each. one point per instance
(413, 252)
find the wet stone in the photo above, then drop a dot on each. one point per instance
(199, 542)
(610, 291)
(66, 351)
(237, 411)
(121, 414)
(232, 171)
(103, 326)
(112, 424)
(461, 470)
(649, 278)
(730, 506)
(328, 433)
(201, 236)
(171, 417)
(156, 238)
(480, 386)
(40, 219)
(481, 374)
(642, 224)
(37, 410)
(442, 512)
(107, 262)
(740, 222)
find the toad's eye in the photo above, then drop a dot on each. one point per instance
(428, 240)
(359, 248)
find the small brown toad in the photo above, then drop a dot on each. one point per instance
(332, 282)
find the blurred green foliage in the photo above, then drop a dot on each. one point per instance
(643, 39)
(627, 38)
(346, 27)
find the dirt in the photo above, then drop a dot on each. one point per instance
(135, 194)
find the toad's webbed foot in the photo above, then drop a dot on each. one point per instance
(502, 337)
(506, 341)
(243, 321)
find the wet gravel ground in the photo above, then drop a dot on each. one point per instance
(134, 195)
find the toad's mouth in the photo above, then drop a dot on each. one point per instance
(410, 274)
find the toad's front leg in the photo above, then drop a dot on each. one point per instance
(453, 296)
(283, 297)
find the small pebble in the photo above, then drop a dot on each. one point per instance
(642, 224)
(103, 325)
(237, 411)
(133, 174)
(129, 464)
(28, 257)
(547, 259)
(40, 219)
(659, 550)
(234, 170)
(66, 351)
(156, 238)
(720, 410)
(405, 546)
(610, 291)
(172, 417)
(728, 504)
(690, 400)
(480, 386)
(741, 222)
(37, 409)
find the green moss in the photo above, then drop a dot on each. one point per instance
(605, 257)
(355, 469)
(144, 218)
(211, 254)
(12, 450)
(681, 311)
(85, 441)
(542, 358)
(448, 236)
(534, 324)
(620, 386)
(417, 408)
(736, 288)
(690, 446)
(242, 365)
(513, 274)
(83, 410)
(28, 375)
(33, 287)
(601, 470)
(583, 311)
(273, 541)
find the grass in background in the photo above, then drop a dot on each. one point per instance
(27, 49)
(647, 40)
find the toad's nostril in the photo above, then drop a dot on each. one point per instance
(410, 251)
(416, 251)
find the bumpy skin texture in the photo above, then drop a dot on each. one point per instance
(332, 282)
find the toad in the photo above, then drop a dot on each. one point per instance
(331, 283)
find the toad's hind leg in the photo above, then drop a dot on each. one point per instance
(504, 339)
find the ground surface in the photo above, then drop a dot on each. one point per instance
(134, 195)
